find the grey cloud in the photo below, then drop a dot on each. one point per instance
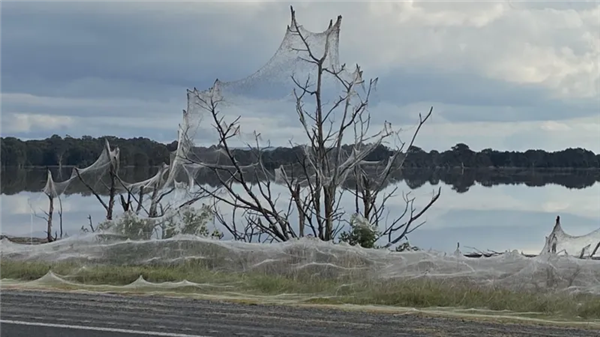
(460, 88)
(474, 98)
(120, 42)
(84, 129)
(137, 60)
(87, 87)
(102, 108)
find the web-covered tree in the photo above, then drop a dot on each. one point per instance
(331, 103)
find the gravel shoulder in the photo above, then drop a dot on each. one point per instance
(49, 313)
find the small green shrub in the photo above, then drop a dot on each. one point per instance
(188, 220)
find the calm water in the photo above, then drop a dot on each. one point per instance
(484, 209)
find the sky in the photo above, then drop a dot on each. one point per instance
(508, 75)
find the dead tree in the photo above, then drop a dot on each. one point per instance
(60, 217)
(48, 216)
(370, 201)
(113, 176)
(315, 181)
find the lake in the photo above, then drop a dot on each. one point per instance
(485, 209)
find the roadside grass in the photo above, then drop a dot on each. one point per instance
(319, 290)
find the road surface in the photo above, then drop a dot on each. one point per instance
(62, 314)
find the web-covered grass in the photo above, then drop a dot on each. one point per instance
(310, 271)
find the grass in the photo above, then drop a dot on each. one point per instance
(314, 290)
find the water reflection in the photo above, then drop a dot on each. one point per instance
(32, 180)
(486, 209)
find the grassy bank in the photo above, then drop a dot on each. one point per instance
(416, 293)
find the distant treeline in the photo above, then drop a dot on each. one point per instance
(143, 152)
(14, 180)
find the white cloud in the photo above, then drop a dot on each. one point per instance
(554, 126)
(26, 122)
(513, 42)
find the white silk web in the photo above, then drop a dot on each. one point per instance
(322, 260)
(270, 91)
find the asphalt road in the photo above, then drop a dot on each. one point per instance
(58, 314)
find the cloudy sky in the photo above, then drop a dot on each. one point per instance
(507, 75)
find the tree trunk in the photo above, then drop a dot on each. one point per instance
(111, 197)
(49, 225)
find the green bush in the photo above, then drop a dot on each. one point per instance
(188, 220)
(361, 232)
